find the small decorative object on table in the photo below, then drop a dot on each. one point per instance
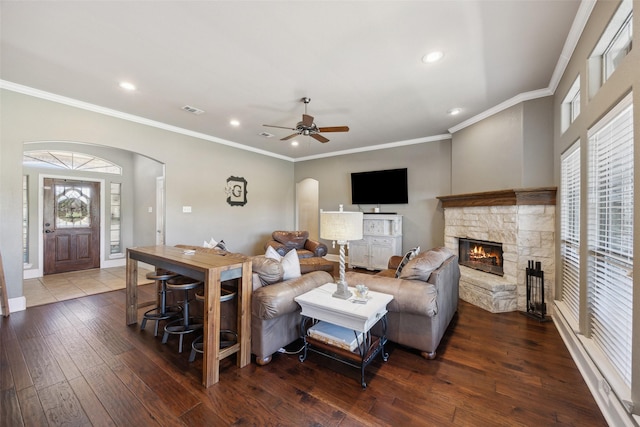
(361, 294)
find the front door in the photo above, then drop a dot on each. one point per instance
(71, 225)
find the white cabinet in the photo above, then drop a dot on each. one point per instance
(382, 238)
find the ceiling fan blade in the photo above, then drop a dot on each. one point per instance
(280, 127)
(289, 137)
(334, 129)
(319, 137)
(307, 120)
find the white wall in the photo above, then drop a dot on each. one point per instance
(429, 175)
(196, 174)
(511, 149)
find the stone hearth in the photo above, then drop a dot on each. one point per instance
(524, 222)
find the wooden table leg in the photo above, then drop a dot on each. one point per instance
(245, 289)
(211, 333)
(3, 291)
(132, 290)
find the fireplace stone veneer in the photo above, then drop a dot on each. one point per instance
(524, 222)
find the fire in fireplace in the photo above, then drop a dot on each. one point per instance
(480, 255)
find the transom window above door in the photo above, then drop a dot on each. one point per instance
(69, 160)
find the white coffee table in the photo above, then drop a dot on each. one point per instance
(319, 305)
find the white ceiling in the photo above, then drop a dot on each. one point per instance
(358, 61)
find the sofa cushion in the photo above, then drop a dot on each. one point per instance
(270, 302)
(421, 266)
(407, 257)
(409, 296)
(269, 270)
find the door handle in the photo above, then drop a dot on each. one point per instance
(48, 231)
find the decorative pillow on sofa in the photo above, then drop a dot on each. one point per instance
(421, 267)
(269, 270)
(407, 257)
(290, 262)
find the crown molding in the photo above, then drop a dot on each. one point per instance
(26, 90)
(377, 147)
(577, 27)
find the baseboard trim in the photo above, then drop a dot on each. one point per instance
(32, 273)
(611, 407)
(16, 304)
(118, 262)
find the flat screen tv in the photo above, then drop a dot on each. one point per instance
(384, 187)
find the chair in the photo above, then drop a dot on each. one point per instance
(186, 324)
(161, 312)
(284, 241)
(227, 336)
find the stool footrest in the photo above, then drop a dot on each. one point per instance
(227, 339)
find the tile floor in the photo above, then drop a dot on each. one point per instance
(65, 286)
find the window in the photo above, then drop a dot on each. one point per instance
(610, 236)
(612, 48)
(619, 47)
(115, 232)
(571, 105)
(69, 160)
(570, 228)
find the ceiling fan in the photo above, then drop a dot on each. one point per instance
(308, 128)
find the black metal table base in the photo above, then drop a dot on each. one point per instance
(367, 349)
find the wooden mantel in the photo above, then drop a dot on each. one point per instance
(523, 196)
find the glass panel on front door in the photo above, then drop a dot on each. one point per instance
(73, 203)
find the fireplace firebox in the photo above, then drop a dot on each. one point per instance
(481, 255)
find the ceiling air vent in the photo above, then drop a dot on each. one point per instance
(193, 110)
(266, 134)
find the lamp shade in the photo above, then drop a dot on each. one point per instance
(341, 226)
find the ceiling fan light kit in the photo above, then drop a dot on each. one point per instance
(307, 127)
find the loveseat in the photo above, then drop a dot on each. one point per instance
(425, 297)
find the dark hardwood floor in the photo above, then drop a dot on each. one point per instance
(76, 363)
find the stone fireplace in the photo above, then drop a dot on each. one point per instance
(522, 222)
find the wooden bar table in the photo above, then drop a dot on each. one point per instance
(211, 269)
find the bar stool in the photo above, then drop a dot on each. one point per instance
(161, 312)
(227, 336)
(186, 324)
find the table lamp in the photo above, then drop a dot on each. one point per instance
(341, 227)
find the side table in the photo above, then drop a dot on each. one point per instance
(319, 305)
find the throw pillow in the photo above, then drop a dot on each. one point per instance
(269, 270)
(290, 262)
(291, 265)
(421, 267)
(407, 257)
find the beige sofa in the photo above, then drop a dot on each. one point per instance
(423, 303)
(275, 316)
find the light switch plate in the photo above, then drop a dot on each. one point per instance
(186, 209)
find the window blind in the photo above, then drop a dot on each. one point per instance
(610, 236)
(570, 228)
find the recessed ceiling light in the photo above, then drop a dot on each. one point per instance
(432, 57)
(127, 86)
(234, 123)
(294, 143)
(454, 111)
